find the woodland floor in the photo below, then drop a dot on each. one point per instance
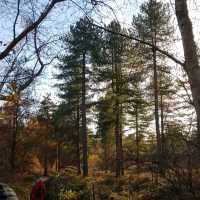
(100, 186)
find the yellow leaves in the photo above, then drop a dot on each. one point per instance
(40, 132)
(93, 162)
(15, 97)
(12, 86)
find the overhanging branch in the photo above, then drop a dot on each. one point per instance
(163, 52)
(27, 30)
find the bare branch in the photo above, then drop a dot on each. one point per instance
(16, 18)
(11, 67)
(183, 84)
(34, 75)
(30, 28)
(173, 58)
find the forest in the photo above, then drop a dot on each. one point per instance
(101, 98)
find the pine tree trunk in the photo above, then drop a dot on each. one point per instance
(121, 142)
(14, 139)
(156, 111)
(137, 140)
(58, 156)
(191, 65)
(83, 112)
(162, 124)
(118, 132)
(46, 147)
(117, 139)
(45, 163)
(78, 141)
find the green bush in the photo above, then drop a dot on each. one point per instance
(68, 188)
(67, 195)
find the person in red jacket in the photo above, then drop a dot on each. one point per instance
(39, 190)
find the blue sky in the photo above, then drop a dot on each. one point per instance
(121, 8)
(59, 20)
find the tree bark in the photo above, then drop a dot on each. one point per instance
(156, 108)
(118, 135)
(58, 160)
(137, 139)
(45, 163)
(162, 124)
(121, 142)
(84, 121)
(117, 139)
(46, 147)
(78, 141)
(14, 139)
(191, 65)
